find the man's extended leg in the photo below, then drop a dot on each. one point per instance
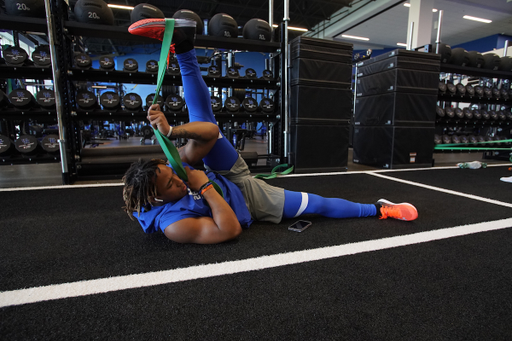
(223, 155)
(197, 97)
(297, 204)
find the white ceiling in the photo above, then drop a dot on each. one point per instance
(390, 27)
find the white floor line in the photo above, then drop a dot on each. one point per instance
(382, 171)
(104, 285)
(440, 189)
(16, 189)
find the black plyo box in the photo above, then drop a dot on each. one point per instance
(392, 146)
(398, 62)
(321, 49)
(401, 80)
(320, 102)
(395, 108)
(319, 146)
(400, 58)
(320, 70)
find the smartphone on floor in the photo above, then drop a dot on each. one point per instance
(299, 226)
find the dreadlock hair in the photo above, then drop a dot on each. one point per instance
(139, 185)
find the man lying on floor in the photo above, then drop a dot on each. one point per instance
(194, 212)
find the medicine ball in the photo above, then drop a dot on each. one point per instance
(506, 63)
(223, 25)
(188, 14)
(459, 57)
(25, 8)
(145, 11)
(476, 59)
(446, 52)
(93, 12)
(491, 61)
(257, 29)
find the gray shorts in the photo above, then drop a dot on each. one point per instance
(265, 202)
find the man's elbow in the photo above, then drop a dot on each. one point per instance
(212, 131)
(236, 231)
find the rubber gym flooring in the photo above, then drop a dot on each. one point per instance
(75, 267)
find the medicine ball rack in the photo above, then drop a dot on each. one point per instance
(485, 128)
(68, 36)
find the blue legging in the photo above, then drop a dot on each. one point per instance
(223, 155)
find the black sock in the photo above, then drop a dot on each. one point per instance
(183, 47)
(378, 206)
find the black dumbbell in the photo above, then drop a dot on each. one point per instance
(232, 72)
(21, 99)
(82, 61)
(110, 100)
(41, 56)
(27, 145)
(250, 73)
(459, 113)
(440, 111)
(173, 67)
(15, 56)
(130, 65)
(86, 100)
(452, 90)
(267, 75)
(504, 94)
(438, 139)
(107, 63)
(267, 105)
(450, 113)
(461, 90)
(46, 98)
(249, 104)
(442, 88)
(232, 104)
(152, 66)
(50, 144)
(468, 114)
(470, 91)
(487, 92)
(159, 101)
(216, 103)
(479, 91)
(174, 102)
(132, 102)
(495, 92)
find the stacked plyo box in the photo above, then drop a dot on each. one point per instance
(320, 104)
(395, 108)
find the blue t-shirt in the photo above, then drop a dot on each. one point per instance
(194, 205)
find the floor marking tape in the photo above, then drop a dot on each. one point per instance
(439, 189)
(104, 285)
(15, 189)
(113, 184)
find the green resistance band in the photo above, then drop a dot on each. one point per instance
(274, 173)
(459, 146)
(167, 146)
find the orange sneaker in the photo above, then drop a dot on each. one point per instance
(402, 211)
(184, 29)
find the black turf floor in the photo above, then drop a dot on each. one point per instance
(451, 289)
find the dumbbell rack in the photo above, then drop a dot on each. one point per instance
(68, 33)
(469, 121)
(12, 116)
